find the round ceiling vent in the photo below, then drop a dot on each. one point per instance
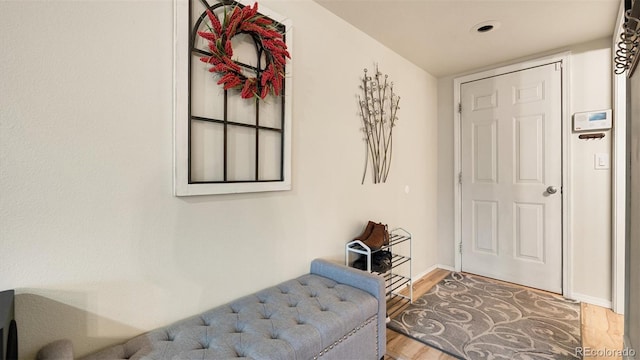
(485, 27)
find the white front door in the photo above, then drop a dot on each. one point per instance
(512, 177)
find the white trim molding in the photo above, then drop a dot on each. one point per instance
(432, 268)
(425, 273)
(567, 244)
(618, 180)
(446, 267)
(605, 303)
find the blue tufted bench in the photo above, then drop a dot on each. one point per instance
(334, 312)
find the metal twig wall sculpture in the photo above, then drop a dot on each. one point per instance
(627, 54)
(378, 108)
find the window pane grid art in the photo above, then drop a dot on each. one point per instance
(232, 128)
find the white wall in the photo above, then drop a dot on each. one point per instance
(90, 235)
(589, 89)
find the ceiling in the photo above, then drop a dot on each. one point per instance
(437, 35)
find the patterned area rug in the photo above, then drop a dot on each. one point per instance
(471, 317)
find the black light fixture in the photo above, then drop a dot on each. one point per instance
(628, 52)
(486, 26)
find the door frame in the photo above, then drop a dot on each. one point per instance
(563, 59)
(619, 179)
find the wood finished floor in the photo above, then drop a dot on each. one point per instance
(601, 328)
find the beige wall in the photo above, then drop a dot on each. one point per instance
(91, 237)
(589, 89)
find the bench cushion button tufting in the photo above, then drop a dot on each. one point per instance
(305, 313)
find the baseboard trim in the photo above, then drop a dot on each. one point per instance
(446, 267)
(424, 273)
(430, 269)
(592, 300)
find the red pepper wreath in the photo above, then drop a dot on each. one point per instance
(246, 20)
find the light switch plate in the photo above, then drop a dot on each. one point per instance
(601, 161)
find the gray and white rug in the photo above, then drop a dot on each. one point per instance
(471, 317)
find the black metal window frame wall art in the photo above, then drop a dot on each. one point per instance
(224, 143)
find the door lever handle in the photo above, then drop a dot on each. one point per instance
(552, 190)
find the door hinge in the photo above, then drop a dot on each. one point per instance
(460, 108)
(558, 66)
(459, 178)
(460, 247)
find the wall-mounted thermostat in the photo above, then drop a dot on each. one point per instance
(592, 120)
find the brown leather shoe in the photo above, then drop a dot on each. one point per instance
(386, 234)
(367, 231)
(378, 238)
